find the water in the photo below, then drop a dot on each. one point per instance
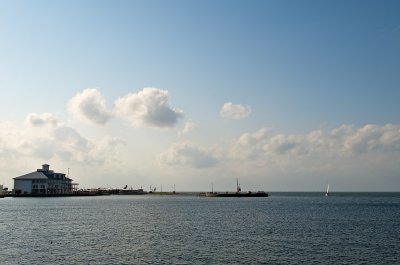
(285, 228)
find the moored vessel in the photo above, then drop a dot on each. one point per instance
(126, 191)
(238, 193)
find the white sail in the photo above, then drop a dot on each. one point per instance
(327, 190)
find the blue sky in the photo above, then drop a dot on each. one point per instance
(313, 88)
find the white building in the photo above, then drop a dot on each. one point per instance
(43, 181)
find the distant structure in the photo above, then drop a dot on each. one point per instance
(44, 181)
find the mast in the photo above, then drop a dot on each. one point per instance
(238, 189)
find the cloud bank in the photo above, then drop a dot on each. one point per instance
(364, 158)
(44, 137)
(368, 151)
(345, 151)
(188, 154)
(371, 138)
(348, 153)
(234, 111)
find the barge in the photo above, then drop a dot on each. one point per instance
(238, 193)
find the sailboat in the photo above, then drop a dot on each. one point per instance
(327, 191)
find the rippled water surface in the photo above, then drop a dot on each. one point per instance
(285, 228)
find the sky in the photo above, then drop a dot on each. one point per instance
(283, 95)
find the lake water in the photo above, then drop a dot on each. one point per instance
(285, 228)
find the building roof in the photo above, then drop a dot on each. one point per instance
(33, 175)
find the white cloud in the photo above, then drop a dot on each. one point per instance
(345, 153)
(39, 120)
(352, 157)
(374, 138)
(188, 154)
(111, 143)
(316, 155)
(283, 144)
(70, 139)
(11, 140)
(250, 145)
(189, 126)
(341, 141)
(149, 107)
(234, 111)
(45, 138)
(90, 105)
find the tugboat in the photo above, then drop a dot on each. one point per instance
(238, 193)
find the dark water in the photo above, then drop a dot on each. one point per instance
(285, 228)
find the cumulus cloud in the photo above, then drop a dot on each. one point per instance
(61, 142)
(342, 141)
(250, 145)
(234, 111)
(111, 143)
(374, 138)
(71, 139)
(40, 120)
(188, 154)
(90, 105)
(189, 126)
(45, 138)
(70, 145)
(149, 107)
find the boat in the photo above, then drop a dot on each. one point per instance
(126, 191)
(238, 193)
(327, 191)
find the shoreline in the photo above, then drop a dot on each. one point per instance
(202, 194)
